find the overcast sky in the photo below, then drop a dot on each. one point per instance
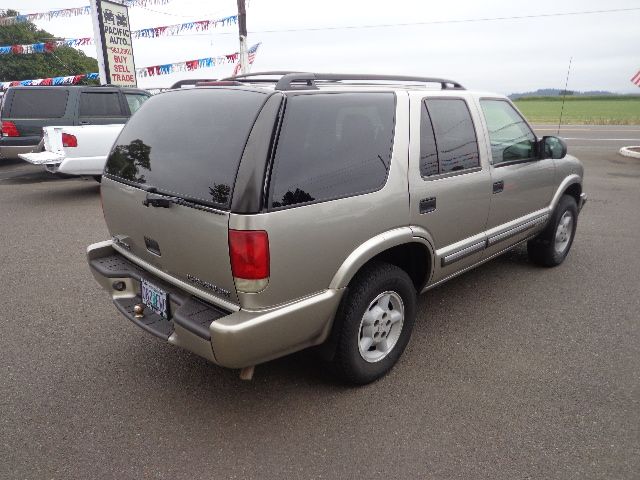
(505, 56)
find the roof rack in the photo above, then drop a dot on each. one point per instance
(256, 77)
(307, 80)
(191, 81)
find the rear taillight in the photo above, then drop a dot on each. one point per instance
(9, 129)
(249, 253)
(69, 140)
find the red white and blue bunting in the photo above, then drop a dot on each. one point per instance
(141, 72)
(72, 12)
(190, 65)
(44, 47)
(152, 32)
(70, 80)
(177, 29)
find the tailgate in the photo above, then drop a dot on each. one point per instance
(51, 143)
(181, 150)
(42, 158)
(190, 244)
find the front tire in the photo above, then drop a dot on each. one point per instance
(375, 322)
(552, 245)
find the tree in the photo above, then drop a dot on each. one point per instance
(63, 61)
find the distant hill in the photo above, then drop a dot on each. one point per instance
(556, 92)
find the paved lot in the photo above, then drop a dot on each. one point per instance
(513, 371)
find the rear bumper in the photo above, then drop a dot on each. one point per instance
(231, 339)
(12, 151)
(83, 165)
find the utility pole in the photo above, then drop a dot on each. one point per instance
(242, 28)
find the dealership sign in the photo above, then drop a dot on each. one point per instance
(113, 43)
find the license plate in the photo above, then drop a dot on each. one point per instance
(156, 299)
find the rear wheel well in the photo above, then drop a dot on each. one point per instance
(414, 258)
(574, 190)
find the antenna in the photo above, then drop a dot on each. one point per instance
(564, 94)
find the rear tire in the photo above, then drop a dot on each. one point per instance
(375, 322)
(552, 245)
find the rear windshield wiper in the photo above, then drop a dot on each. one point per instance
(159, 200)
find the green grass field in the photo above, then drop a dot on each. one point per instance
(604, 110)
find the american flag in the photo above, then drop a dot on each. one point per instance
(636, 78)
(251, 54)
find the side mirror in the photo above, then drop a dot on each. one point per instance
(552, 147)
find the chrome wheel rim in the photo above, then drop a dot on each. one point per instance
(563, 232)
(381, 326)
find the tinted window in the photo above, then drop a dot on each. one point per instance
(135, 101)
(194, 151)
(428, 148)
(332, 146)
(39, 103)
(511, 138)
(455, 137)
(103, 104)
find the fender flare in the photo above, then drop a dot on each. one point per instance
(566, 183)
(374, 246)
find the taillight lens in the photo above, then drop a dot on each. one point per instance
(9, 129)
(249, 254)
(69, 140)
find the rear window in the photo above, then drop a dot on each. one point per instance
(39, 103)
(187, 143)
(332, 146)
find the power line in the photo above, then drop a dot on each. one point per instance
(175, 14)
(438, 22)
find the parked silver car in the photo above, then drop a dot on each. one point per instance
(267, 213)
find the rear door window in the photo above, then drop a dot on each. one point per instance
(100, 104)
(39, 103)
(332, 146)
(187, 143)
(448, 140)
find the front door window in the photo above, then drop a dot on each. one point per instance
(511, 138)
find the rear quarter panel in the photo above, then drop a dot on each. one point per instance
(308, 244)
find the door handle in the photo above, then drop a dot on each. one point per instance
(498, 186)
(427, 205)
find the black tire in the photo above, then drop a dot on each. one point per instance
(97, 178)
(374, 280)
(542, 249)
